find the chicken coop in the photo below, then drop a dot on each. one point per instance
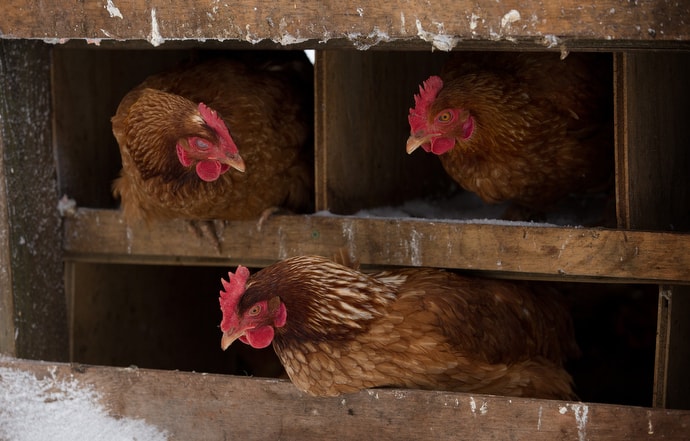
(132, 310)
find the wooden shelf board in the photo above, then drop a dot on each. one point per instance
(217, 407)
(559, 253)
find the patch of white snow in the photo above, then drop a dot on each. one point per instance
(33, 409)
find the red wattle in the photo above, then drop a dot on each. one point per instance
(208, 170)
(259, 337)
(440, 146)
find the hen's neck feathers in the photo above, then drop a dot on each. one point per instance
(322, 298)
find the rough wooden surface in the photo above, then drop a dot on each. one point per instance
(36, 325)
(652, 93)
(677, 384)
(215, 407)
(551, 252)
(443, 24)
(7, 343)
(653, 190)
(671, 382)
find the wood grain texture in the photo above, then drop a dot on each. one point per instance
(654, 183)
(677, 382)
(535, 252)
(653, 190)
(614, 23)
(216, 407)
(671, 382)
(36, 325)
(7, 341)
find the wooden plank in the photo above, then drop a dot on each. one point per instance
(521, 250)
(217, 407)
(678, 382)
(32, 252)
(671, 382)
(653, 190)
(7, 340)
(663, 335)
(362, 126)
(654, 160)
(441, 24)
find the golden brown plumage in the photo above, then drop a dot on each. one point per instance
(165, 135)
(337, 330)
(522, 127)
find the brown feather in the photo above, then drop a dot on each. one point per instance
(543, 126)
(415, 328)
(267, 108)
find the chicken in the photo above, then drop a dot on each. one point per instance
(337, 330)
(522, 127)
(220, 139)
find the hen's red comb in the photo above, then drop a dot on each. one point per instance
(216, 123)
(427, 94)
(230, 295)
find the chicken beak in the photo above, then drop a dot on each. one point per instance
(228, 338)
(415, 141)
(233, 160)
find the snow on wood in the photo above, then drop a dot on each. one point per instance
(34, 408)
(143, 403)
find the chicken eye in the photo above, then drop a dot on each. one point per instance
(256, 309)
(445, 116)
(201, 144)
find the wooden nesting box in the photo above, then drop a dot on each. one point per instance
(85, 287)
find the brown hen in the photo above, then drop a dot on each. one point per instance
(220, 139)
(337, 330)
(523, 127)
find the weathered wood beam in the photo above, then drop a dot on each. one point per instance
(653, 190)
(34, 322)
(528, 251)
(441, 24)
(216, 407)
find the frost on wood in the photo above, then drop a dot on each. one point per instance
(39, 409)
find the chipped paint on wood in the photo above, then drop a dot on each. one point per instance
(483, 409)
(439, 40)
(155, 37)
(509, 18)
(415, 242)
(113, 10)
(581, 412)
